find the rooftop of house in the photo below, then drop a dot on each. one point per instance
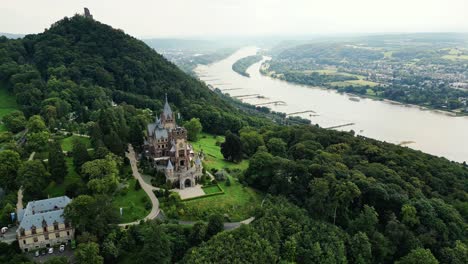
(48, 210)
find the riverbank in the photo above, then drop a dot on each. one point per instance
(433, 131)
(278, 76)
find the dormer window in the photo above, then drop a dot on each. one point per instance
(44, 225)
(33, 230)
(22, 232)
(56, 225)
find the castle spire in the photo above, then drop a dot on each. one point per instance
(167, 110)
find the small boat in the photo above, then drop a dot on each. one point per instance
(355, 99)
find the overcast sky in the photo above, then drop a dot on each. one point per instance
(205, 18)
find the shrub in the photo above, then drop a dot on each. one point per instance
(137, 185)
(148, 205)
(124, 191)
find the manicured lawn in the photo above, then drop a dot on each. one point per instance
(133, 203)
(67, 143)
(54, 190)
(238, 202)
(7, 105)
(213, 156)
(211, 189)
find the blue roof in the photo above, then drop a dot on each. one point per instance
(169, 165)
(48, 210)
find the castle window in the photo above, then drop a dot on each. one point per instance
(46, 236)
(44, 225)
(22, 232)
(33, 230)
(24, 242)
(56, 226)
(35, 239)
(57, 235)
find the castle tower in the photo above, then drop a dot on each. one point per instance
(169, 170)
(167, 116)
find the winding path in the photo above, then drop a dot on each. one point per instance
(19, 202)
(145, 186)
(155, 210)
(227, 225)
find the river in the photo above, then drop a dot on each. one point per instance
(429, 131)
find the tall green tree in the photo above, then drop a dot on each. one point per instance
(88, 253)
(250, 140)
(9, 165)
(92, 214)
(57, 165)
(418, 256)
(215, 225)
(157, 247)
(79, 153)
(231, 148)
(37, 141)
(194, 127)
(14, 121)
(34, 178)
(277, 147)
(36, 124)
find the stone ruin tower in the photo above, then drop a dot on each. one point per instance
(87, 14)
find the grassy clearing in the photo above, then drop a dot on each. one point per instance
(354, 83)
(211, 189)
(67, 143)
(7, 105)
(370, 92)
(238, 202)
(133, 203)
(213, 157)
(54, 190)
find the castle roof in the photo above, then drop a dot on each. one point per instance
(169, 165)
(160, 133)
(47, 210)
(167, 112)
(197, 161)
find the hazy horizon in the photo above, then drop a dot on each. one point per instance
(229, 18)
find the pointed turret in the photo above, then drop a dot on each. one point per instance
(169, 166)
(167, 110)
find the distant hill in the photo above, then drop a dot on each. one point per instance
(104, 64)
(11, 36)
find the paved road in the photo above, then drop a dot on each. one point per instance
(146, 187)
(10, 236)
(19, 203)
(227, 225)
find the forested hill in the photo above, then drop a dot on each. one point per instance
(84, 63)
